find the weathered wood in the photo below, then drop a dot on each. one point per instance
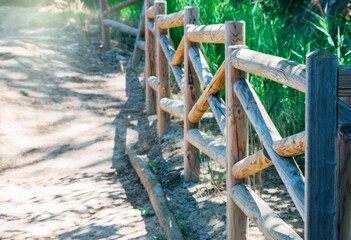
(286, 147)
(212, 148)
(150, 69)
(236, 135)
(271, 225)
(344, 89)
(141, 44)
(150, 12)
(152, 81)
(141, 32)
(119, 7)
(344, 113)
(162, 73)
(151, 27)
(120, 26)
(286, 167)
(206, 33)
(218, 110)
(200, 65)
(178, 57)
(168, 50)
(214, 87)
(171, 20)
(105, 31)
(321, 150)
(173, 107)
(157, 198)
(191, 94)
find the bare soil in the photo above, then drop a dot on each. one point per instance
(69, 112)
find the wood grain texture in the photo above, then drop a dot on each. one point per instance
(152, 81)
(290, 146)
(236, 133)
(286, 167)
(119, 7)
(150, 13)
(271, 225)
(157, 197)
(137, 51)
(162, 73)
(178, 57)
(344, 89)
(206, 33)
(150, 69)
(141, 44)
(321, 151)
(200, 65)
(191, 94)
(214, 87)
(105, 31)
(219, 111)
(171, 20)
(121, 27)
(212, 148)
(173, 107)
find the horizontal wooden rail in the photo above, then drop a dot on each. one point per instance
(150, 13)
(178, 57)
(141, 44)
(173, 107)
(206, 33)
(345, 81)
(212, 148)
(120, 26)
(152, 81)
(218, 110)
(214, 87)
(170, 20)
(286, 167)
(169, 53)
(200, 66)
(286, 147)
(119, 7)
(271, 225)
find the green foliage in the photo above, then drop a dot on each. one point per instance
(23, 92)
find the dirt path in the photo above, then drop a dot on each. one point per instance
(59, 134)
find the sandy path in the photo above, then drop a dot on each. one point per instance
(59, 135)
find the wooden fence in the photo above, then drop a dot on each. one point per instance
(322, 195)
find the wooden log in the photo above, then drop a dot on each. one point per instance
(171, 20)
(343, 173)
(200, 65)
(119, 7)
(344, 89)
(105, 31)
(236, 132)
(141, 32)
(168, 50)
(191, 93)
(206, 33)
(344, 113)
(286, 167)
(151, 27)
(218, 110)
(162, 73)
(173, 107)
(150, 69)
(141, 44)
(178, 57)
(271, 225)
(212, 148)
(214, 87)
(321, 150)
(150, 12)
(152, 82)
(286, 147)
(120, 27)
(157, 198)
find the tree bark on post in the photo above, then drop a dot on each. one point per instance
(237, 128)
(105, 31)
(150, 69)
(191, 94)
(162, 73)
(321, 150)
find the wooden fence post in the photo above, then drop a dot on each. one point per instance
(141, 32)
(321, 150)
(343, 174)
(162, 72)
(150, 68)
(191, 94)
(236, 129)
(105, 31)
